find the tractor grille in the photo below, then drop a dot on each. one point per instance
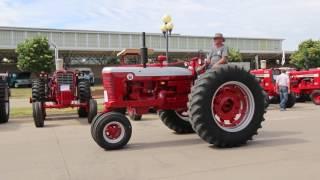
(65, 78)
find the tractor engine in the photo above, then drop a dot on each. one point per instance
(162, 88)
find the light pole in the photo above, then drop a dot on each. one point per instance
(166, 29)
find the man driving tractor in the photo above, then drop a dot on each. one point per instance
(218, 54)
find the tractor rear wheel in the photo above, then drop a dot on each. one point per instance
(315, 96)
(174, 121)
(226, 106)
(38, 114)
(93, 108)
(38, 90)
(291, 100)
(82, 112)
(84, 95)
(111, 130)
(4, 102)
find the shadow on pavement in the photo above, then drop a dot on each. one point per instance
(265, 139)
(163, 144)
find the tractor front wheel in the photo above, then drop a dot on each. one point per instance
(38, 115)
(226, 106)
(111, 130)
(93, 108)
(176, 121)
(315, 96)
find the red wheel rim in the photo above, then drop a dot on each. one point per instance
(316, 99)
(232, 106)
(113, 132)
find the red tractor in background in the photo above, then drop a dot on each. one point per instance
(224, 106)
(306, 84)
(267, 80)
(64, 89)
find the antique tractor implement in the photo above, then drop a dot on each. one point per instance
(65, 89)
(4, 99)
(306, 84)
(224, 106)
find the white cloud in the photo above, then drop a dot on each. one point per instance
(294, 20)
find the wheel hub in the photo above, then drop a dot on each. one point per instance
(231, 105)
(113, 131)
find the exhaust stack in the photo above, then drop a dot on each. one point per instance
(59, 64)
(144, 51)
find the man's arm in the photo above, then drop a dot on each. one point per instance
(206, 62)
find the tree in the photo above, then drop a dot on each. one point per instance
(234, 55)
(308, 55)
(34, 55)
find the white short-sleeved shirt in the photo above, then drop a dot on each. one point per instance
(283, 80)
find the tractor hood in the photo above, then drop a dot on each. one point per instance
(149, 71)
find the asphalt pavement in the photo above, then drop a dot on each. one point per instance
(287, 147)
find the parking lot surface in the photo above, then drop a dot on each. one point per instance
(287, 147)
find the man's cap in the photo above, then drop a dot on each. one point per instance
(219, 36)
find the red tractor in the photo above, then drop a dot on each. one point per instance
(4, 98)
(306, 84)
(267, 80)
(64, 89)
(224, 106)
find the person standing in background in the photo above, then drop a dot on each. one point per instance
(283, 88)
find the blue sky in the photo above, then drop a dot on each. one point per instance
(293, 20)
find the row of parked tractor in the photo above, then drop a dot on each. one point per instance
(224, 106)
(304, 84)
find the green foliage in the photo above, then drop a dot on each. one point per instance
(234, 55)
(34, 55)
(308, 55)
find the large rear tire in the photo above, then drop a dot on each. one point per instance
(226, 106)
(38, 115)
(84, 95)
(111, 130)
(315, 97)
(4, 102)
(38, 90)
(93, 108)
(174, 122)
(291, 100)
